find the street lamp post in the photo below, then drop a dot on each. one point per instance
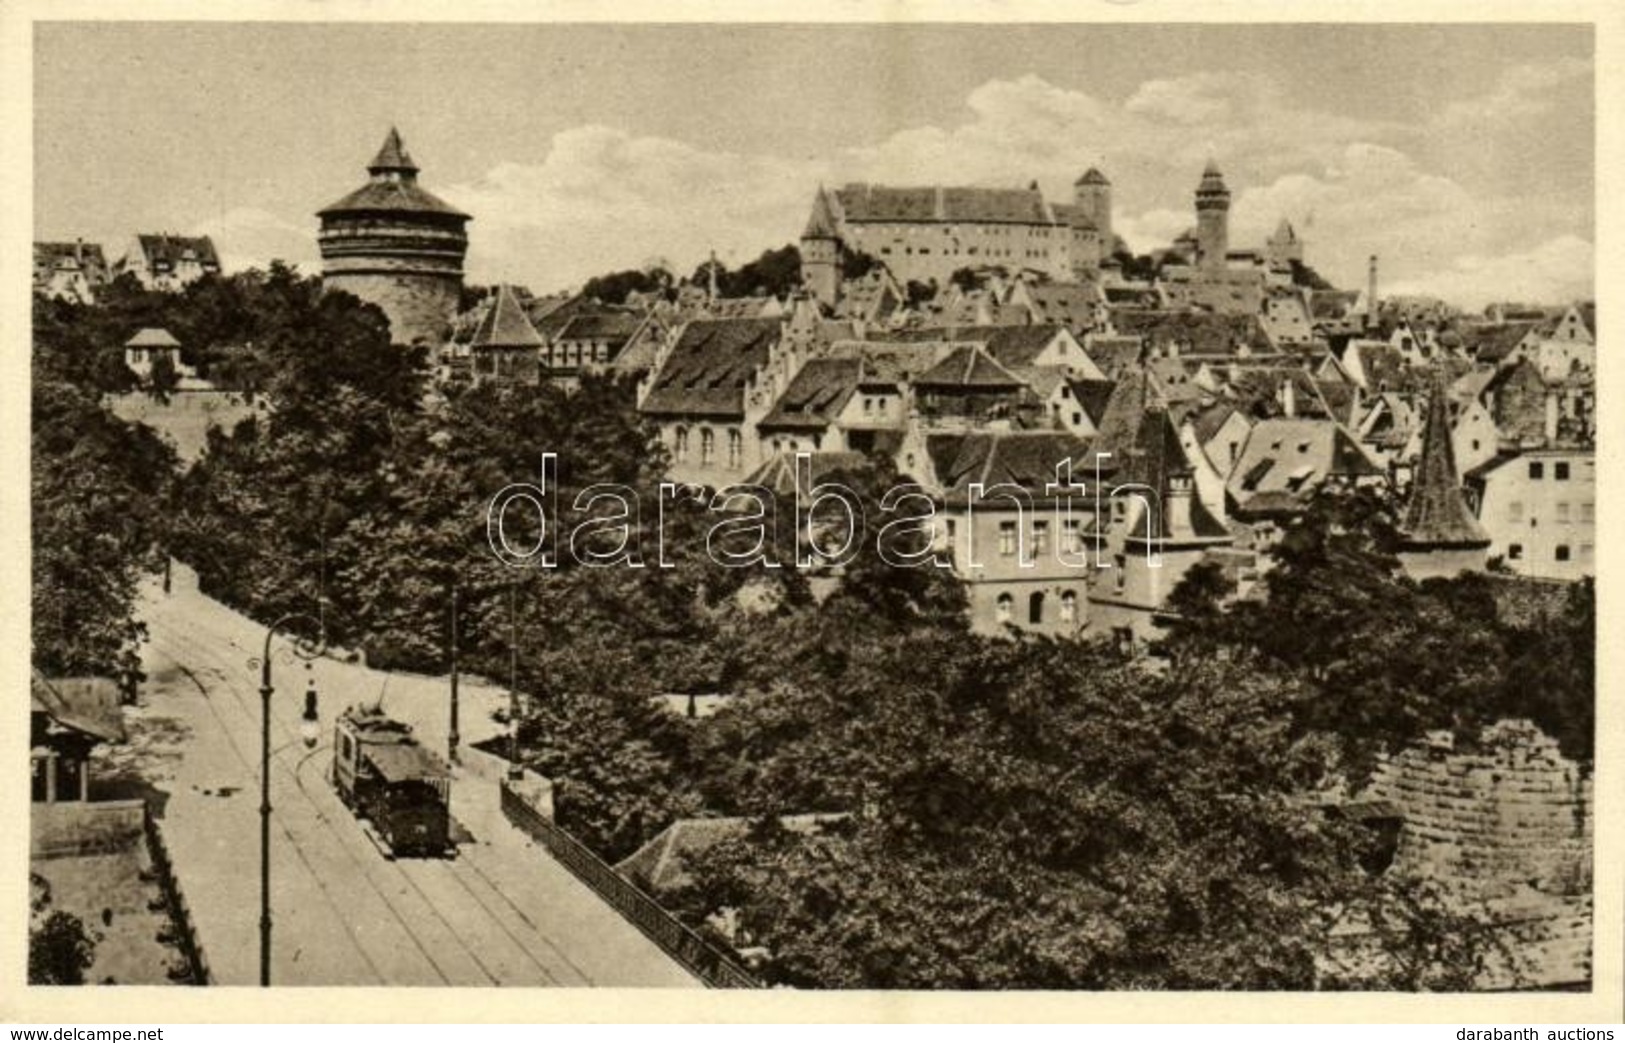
(308, 731)
(514, 770)
(452, 737)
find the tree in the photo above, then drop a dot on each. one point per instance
(1303, 275)
(97, 489)
(614, 287)
(1039, 814)
(60, 949)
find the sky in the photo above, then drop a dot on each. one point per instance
(1461, 155)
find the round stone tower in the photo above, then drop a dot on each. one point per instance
(397, 246)
(1212, 218)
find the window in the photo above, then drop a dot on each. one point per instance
(1515, 552)
(1069, 607)
(1040, 538)
(1121, 564)
(1006, 605)
(1007, 538)
(1537, 470)
(1588, 513)
(1035, 608)
(708, 445)
(1515, 511)
(1562, 552)
(1074, 535)
(1562, 514)
(1586, 551)
(681, 448)
(735, 445)
(1560, 471)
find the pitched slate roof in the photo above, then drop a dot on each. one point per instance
(1208, 420)
(710, 366)
(778, 472)
(1495, 343)
(1118, 425)
(152, 338)
(660, 865)
(1074, 216)
(1152, 459)
(1195, 333)
(1286, 458)
(1064, 304)
(1114, 354)
(85, 704)
(87, 256)
(1010, 345)
(1092, 395)
(161, 248)
(1436, 515)
(889, 361)
(969, 366)
(1023, 458)
(868, 202)
(816, 395)
(614, 326)
(505, 324)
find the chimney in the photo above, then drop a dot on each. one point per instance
(1289, 398)
(1552, 412)
(711, 273)
(1371, 293)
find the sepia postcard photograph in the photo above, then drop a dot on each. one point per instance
(1063, 506)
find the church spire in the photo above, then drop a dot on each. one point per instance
(1437, 516)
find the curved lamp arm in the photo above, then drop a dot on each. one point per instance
(303, 647)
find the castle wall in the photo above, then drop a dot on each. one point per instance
(419, 307)
(1507, 830)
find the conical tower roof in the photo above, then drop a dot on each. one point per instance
(821, 224)
(1092, 176)
(505, 325)
(392, 156)
(1437, 515)
(393, 187)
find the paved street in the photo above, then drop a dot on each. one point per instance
(501, 913)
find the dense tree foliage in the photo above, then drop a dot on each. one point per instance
(776, 273)
(1303, 275)
(614, 287)
(98, 489)
(1010, 812)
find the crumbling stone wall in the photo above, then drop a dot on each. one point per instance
(1506, 828)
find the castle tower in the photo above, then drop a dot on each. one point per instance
(1212, 219)
(821, 252)
(1093, 193)
(1284, 246)
(1439, 535)
(397, 246)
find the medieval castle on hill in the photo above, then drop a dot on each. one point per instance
(927, 234)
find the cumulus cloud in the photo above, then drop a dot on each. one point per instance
(247, 237)
(1522, 91)
(1560, 269)
(605, 199)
